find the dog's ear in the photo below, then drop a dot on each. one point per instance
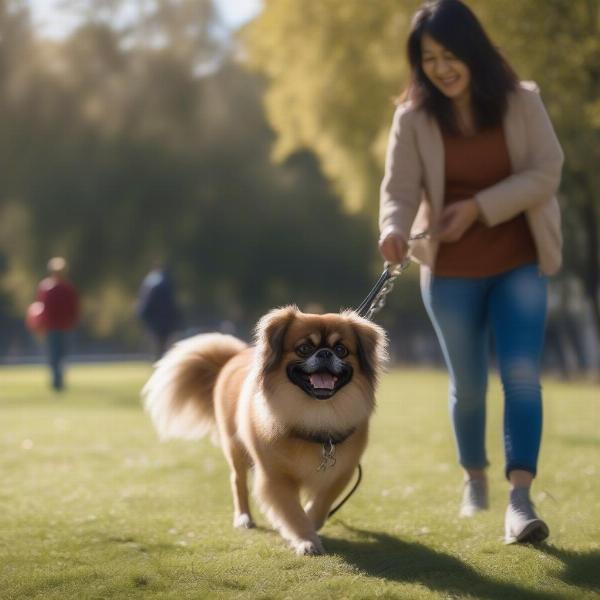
(371, 346)
(270, 335)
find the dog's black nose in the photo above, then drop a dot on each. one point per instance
(325, 354)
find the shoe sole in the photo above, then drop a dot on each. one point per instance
(533, 533)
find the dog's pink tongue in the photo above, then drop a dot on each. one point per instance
(322, 381)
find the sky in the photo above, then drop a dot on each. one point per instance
(57, 23)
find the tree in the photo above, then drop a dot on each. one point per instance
(122, 152)
(334, 68)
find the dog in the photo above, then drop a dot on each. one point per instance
(295, 407)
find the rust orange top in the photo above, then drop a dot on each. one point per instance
(473, 163)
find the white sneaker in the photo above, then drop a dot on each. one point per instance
(521, 523)
(475, 497)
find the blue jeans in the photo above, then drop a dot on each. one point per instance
(512, 306)
(56, 349)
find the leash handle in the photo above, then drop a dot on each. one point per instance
(375, 299)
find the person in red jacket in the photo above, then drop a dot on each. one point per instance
(59, 309)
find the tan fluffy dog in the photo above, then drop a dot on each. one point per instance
(295, 407)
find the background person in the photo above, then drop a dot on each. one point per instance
(57, 313)
(473, 159)
(157, 307)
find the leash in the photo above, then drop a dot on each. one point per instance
(375, 299)
(372, 304)
(347, 496)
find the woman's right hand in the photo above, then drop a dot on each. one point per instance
(393, 248)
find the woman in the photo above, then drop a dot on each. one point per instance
(474, 161)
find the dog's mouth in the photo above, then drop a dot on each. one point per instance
(321, 384)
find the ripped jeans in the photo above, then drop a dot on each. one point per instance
(512, 306)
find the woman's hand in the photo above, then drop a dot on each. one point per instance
(456, 219)
(393, 248)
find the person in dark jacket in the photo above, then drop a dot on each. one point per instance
(157, 307)
(58, 303)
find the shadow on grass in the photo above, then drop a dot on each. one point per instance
(381, 555)
(581, 569)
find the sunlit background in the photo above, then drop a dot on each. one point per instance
(242, 144)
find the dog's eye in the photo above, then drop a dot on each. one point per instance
(304, 350)
(340, 350)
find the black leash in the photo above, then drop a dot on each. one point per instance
(373, 303)
(347, 496)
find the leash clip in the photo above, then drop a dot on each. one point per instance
(375, 300)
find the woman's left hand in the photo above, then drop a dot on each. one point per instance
(456, 219)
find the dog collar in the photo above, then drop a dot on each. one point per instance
(327, 441)
(324, 438)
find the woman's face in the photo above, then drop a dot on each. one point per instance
(449, 74)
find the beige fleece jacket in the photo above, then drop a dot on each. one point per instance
(412, 190)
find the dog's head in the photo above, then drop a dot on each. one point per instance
(319, 365)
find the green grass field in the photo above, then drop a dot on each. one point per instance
(93, 506)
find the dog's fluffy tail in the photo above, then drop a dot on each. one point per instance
(179, 394)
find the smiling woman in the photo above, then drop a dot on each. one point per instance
(474, 161)
(449, 74)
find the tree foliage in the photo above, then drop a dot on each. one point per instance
(334, 67)
(122, 146)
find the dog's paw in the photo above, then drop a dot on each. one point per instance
(243, 521)
(308, 548)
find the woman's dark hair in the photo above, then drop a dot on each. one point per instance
(454, 26)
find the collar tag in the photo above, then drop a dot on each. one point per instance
(327, 455)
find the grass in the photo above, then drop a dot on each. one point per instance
(93, 506)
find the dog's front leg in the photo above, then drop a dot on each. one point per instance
(280, 500)
(318, 508)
